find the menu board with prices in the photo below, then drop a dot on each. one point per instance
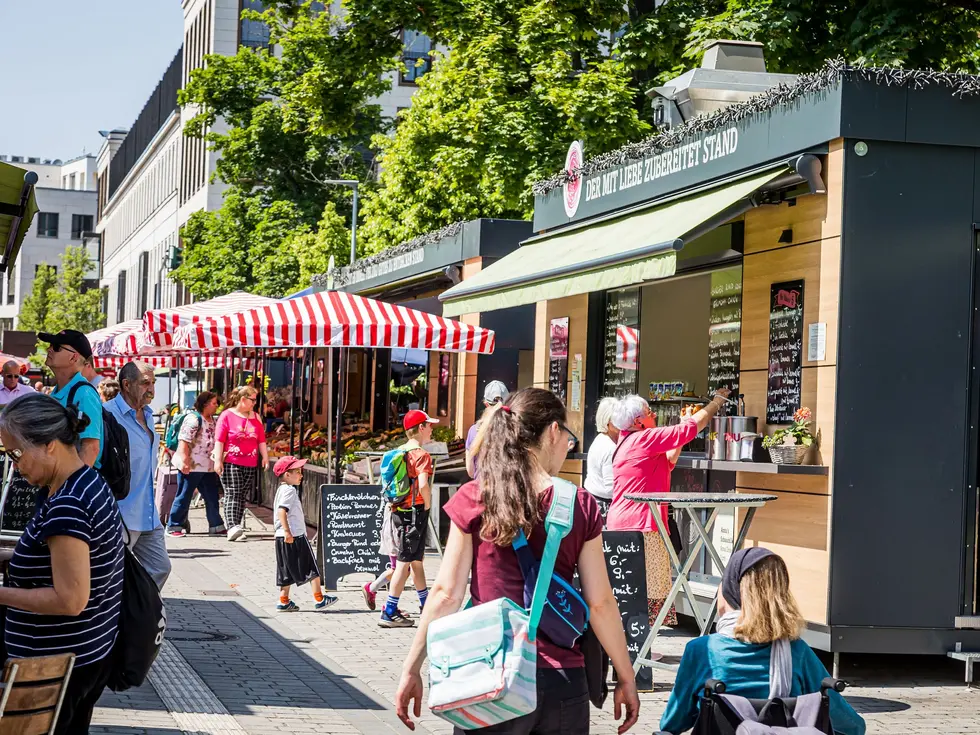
(785, 351)
(725, 330)
(626, 565)
(17, 504)
(622, 343)
(558, 358)
(350, 531)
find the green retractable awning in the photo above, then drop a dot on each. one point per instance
(637, 247)
(17, 209)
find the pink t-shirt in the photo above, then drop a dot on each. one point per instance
(241, 438)
(640, 466)
(496, 572)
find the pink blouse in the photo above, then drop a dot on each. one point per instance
(241, 438)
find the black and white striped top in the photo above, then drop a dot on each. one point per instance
(84, 509)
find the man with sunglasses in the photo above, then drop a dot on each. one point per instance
(67, 352)
(12, 387)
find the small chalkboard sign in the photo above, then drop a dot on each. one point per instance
(783, 393)
(626, 565)
(17, 503)
(350, 531)
(558, 358)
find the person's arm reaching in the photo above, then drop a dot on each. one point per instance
(445, 597)
(606, 621)
(704, 416)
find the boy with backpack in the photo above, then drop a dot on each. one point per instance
(406, 476)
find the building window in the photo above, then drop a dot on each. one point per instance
(144, 281)
(6, 324)
(47, 224)
(417, 56)
(121, 297)
(254, 34)
(71, 181)
(80, 224)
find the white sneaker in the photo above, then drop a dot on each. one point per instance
(235, 533)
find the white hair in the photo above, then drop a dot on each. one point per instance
(604, 414)
(628, 410)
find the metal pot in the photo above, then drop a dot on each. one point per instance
(739, 427)
(717, 447)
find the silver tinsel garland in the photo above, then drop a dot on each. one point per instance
(832, 73)
(341, 275)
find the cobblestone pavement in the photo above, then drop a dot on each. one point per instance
(232, 664)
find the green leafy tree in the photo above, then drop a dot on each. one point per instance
(33, 315)
(73, 304)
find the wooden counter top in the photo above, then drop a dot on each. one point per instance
(765, 468)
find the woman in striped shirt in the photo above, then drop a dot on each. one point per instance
(66, 574)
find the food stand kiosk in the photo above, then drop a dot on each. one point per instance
(841, 207)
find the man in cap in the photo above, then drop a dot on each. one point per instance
(495, 392)
(12, 387)
(410, 518)
(67, 351)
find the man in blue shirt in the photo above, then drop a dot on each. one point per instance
(132, 410)
(68, 350)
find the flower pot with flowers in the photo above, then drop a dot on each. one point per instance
(789, 445)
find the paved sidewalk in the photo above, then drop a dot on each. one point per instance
(232, 664)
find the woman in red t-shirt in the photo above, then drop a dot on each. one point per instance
(522, 444)
(239, 444)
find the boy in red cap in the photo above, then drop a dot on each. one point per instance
(410, 519)
(295, 563)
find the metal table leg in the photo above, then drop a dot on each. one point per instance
(739, 541)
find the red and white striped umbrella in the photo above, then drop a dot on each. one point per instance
(159, 321)
(187, 361)
(335, 319)
(627, 347)
(103, 340)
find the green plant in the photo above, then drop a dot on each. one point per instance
(795, 434)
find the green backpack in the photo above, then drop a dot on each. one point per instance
(172, 438)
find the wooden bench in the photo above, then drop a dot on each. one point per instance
(33, 690)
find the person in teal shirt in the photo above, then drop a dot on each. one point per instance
(68, 350)
(759, 628)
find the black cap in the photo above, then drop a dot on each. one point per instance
(70, 337)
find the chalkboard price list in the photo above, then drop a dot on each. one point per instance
(621, 339)
(783, 394)
(351, 519)
(725, 335)
(626, 565)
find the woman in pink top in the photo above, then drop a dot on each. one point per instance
(642, 463)
(239, 443)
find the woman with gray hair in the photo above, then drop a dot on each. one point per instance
(599, 471)
(65, 580)
(642, 463)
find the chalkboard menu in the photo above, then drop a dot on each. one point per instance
(626, 565)
(785, 351)
(350, 531)
(622, 342)
(17, 504)
(725, 330)
(558, 362)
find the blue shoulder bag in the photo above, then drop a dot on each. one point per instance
(566, 614)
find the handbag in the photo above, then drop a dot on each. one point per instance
(483, 661)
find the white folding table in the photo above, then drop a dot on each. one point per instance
(693, 503)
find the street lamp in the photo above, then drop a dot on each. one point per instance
(353, 220)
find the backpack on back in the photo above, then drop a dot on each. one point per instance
(395, 482)
(172, 438)
(115, 448)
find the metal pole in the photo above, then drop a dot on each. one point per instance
(330, 442)
(353, 227)
(341, 393)
(292, 410)
(302, 408)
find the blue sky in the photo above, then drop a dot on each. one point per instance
(74, 67)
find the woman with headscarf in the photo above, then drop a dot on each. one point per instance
(757, 650)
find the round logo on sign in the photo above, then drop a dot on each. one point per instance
(572, 190)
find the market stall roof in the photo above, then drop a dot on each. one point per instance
(187, 360)
(632, 247)
(335, 319)
(17, 209)
(102, 339)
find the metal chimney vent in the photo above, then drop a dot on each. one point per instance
(732, 71)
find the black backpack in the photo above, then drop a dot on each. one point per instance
(115, 448)
(142, 625)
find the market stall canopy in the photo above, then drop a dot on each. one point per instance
(102, 339)
(190, 360)
(17, 209)
(335, 319)
(628, 248)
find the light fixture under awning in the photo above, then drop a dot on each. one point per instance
(634, 248)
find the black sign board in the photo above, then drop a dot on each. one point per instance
(349, 532)
(19, 503)
(558, 362)
(725, 332)
(785, 351)
(626, 565)
(622, 342)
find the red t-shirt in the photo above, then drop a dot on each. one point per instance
(497, 573)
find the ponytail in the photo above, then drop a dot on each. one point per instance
(507, 433)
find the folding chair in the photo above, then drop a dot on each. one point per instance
(33, 690)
